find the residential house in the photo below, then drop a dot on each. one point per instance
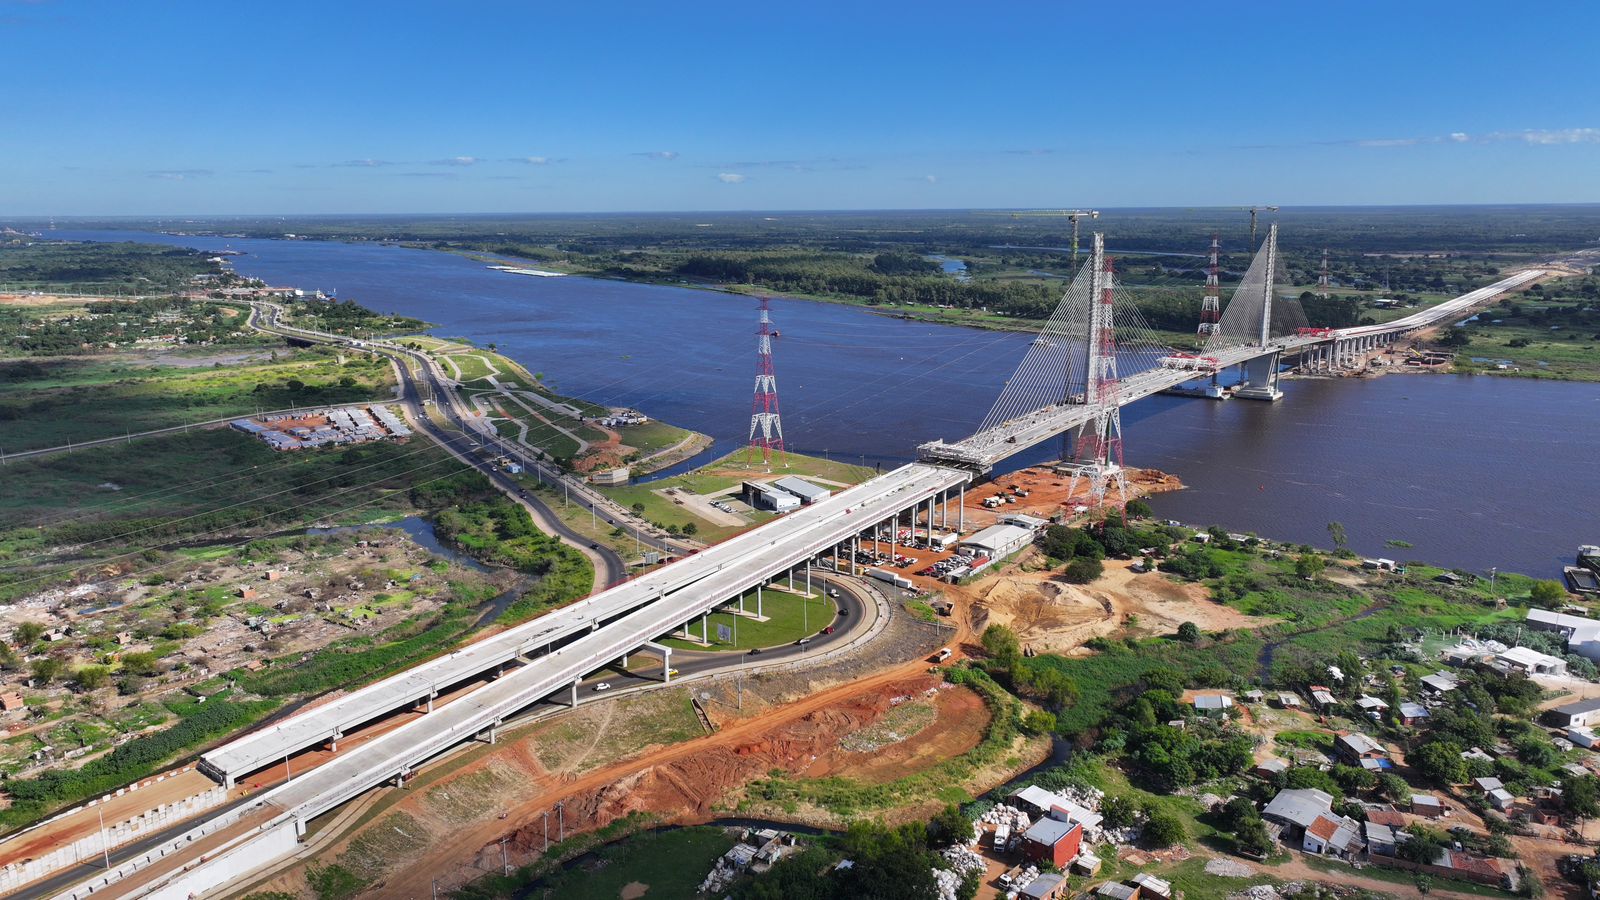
(1427, 805)
(11, 701)
(1297, 808)
(1440, 682)
(1052, 841)
(1151, 886)
(1330, 834)
(1525, 661)
(1412, 712)
(1253, 696)
(1582, 713)
(1383, 839)
(1488, 784)
(1270, 768)
(1288, 701)
(1371, 704)
(1047, 886)
(1111, 890)
(1353, 747)
(1086, 864)
(1322, 697)
(1501, 799)
(1213, 706)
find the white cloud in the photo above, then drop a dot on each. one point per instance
(730, 178)
(659, 154)
(931, 179)
(1550, 136)
(456, 161)
(534, 160)
(1460, 137)
(363, 163)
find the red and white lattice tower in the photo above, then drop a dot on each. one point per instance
(1097, 448)
(766, 429)
(1322, 280)
(1211, 306)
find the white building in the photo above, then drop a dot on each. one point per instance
(1582, 633)
(765, 496)
(999, 541)
(805, 490)
(1530, 662)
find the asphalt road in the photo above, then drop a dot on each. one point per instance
(610, 568)
(859, 614)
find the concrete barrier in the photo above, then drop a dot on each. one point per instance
(93, 847)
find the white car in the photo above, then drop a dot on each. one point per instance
(603, 686)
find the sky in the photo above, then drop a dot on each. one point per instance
(173, 107)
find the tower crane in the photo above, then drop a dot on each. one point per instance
(1253, 210)
(1071, 215)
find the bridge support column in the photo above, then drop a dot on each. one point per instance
(574, 703)
(759, 614)
(333, 742)
(961, 509)
(1261, 378)
(665, 653)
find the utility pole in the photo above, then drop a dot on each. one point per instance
(105, 848)
(505, 861)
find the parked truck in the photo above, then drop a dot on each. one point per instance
(899, 581)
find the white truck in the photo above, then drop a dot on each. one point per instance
(899, 581)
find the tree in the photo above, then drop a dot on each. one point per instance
(1163, 829)
(1001, 644)
(1252, 838)
(26, 634)
(950, 826)
(48, 669)
(1309, 565)
(1119, 811)
(1084, 570)
(1424, 845)
(1393, 787)
(691, 528)
(1547, 594)
(1441, 761)
(91, 678)
(1188, 632)
(1580, 796)
(638, 508)
(1038, 722)
(1336, 532)
(1138, 509)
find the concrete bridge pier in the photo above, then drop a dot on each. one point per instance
(1261, 378)
(665, 653)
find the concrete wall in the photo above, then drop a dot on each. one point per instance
(116, 834)
(232, 864)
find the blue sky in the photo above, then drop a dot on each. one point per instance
(175, 107)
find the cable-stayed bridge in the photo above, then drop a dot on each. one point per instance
(1060, 386)
(1093, 356)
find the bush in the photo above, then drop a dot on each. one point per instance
(1084, 570)
(1188, 632)
(1163, 829)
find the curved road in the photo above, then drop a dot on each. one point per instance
(609, 567)
(860, 613)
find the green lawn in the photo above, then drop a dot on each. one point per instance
(652, 436)
(789, 618)
(1567, 353)
(671, 864)
(99, 399)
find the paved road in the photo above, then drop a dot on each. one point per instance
(609, 567)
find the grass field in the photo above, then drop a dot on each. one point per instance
(80, 400)
(668, 864)
(790, 617)
(722, 475)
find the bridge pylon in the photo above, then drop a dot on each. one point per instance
(1097, 444)
(1261, 373)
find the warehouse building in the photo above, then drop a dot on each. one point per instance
(765, 496)
(805, 490)
(999, 541)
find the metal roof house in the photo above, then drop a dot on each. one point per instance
(1582, 634)
(765, 496)
(1530, 662)
(1582, 713)
(1298, 807)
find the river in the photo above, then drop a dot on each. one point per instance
(1472, 471)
